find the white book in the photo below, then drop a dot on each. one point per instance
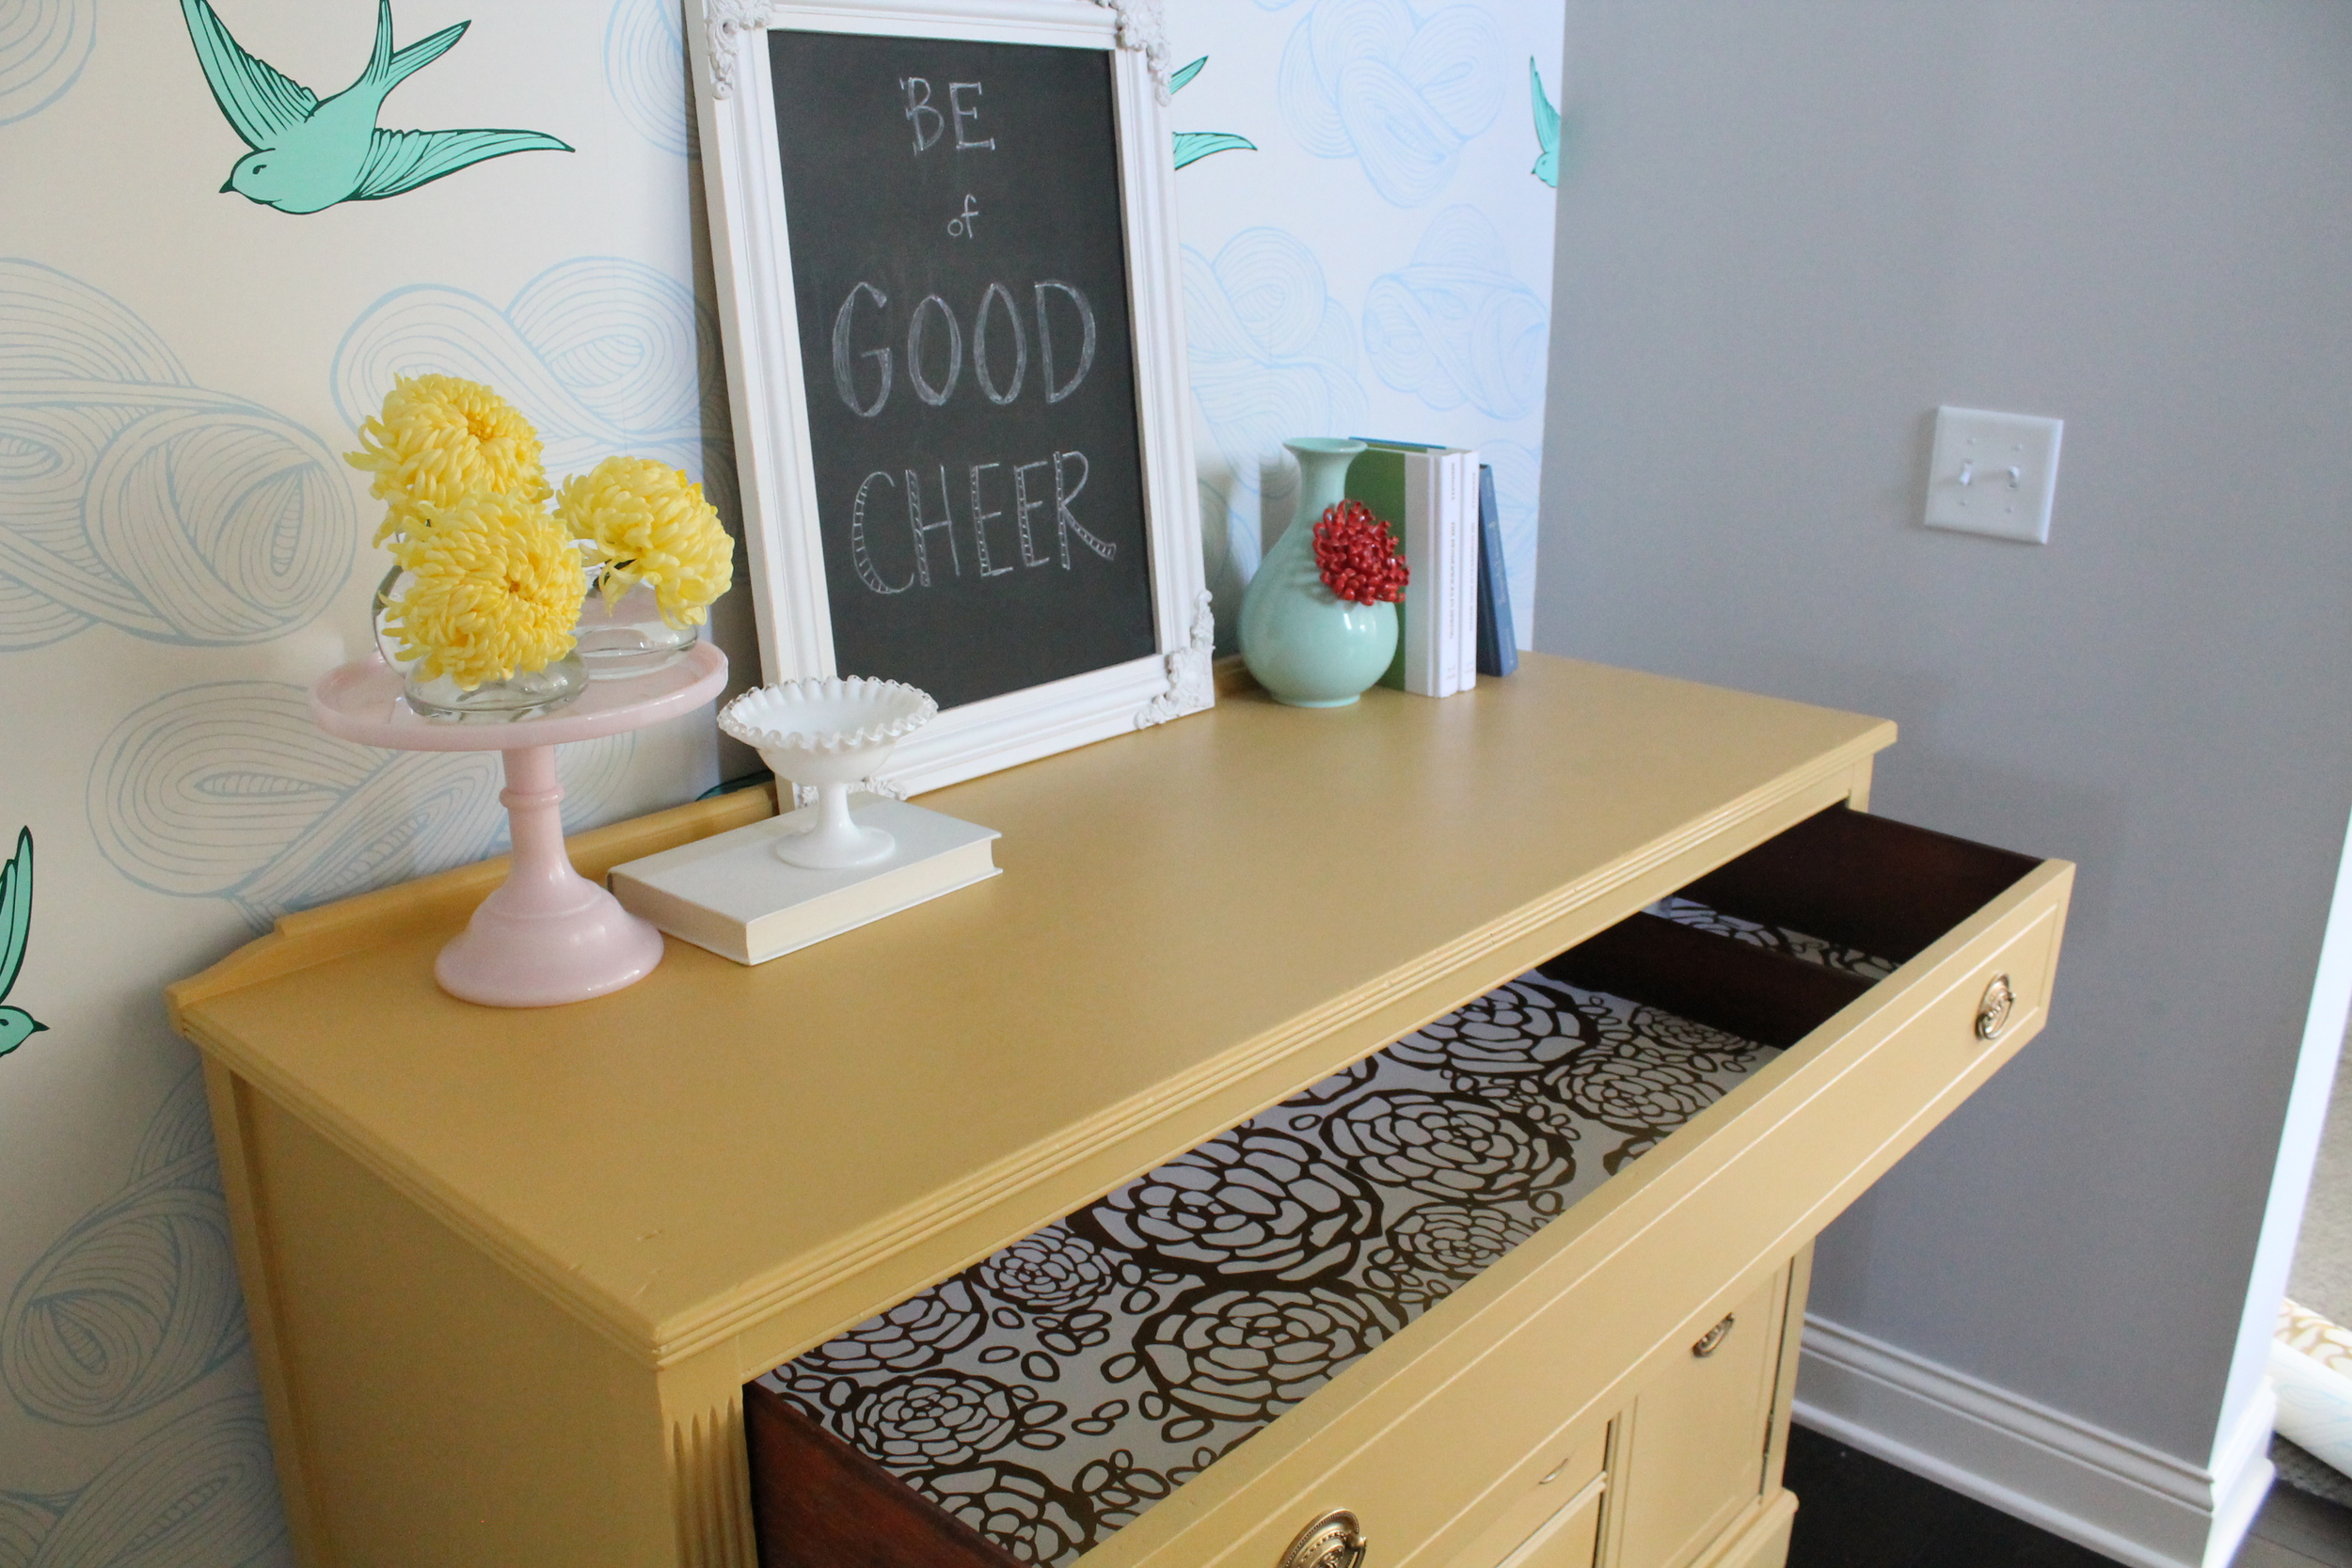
(1462, 525)
(730, 893)
(1441, 514)
(1449, 584)
(1424, 594)
(1436, 499)
(1441, 583)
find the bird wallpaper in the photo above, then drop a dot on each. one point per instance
(16, 932)
(231, 222)
(310, 153)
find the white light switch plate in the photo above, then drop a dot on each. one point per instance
(1994, 474)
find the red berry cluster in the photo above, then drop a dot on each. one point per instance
(1358, 558)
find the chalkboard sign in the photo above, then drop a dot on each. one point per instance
(967, 355)
(959, 396)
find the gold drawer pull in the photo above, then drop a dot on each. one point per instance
(1712, 1340)
(1334, 1540)
(2000, 1000)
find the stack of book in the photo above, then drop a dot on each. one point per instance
(1456, 621)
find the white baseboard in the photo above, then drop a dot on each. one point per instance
(2093, 1486)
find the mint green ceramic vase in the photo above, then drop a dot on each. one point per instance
(1304, 644)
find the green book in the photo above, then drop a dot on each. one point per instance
(1376, 478)
(1404, 485)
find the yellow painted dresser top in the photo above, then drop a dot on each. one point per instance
(1193, 923)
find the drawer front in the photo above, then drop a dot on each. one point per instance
(1572, 1539)
(1456, 1463)
(1543, 1344)
(1689, 1457)
(1555, 1524)
(1462, 1463)
(1694, 1456)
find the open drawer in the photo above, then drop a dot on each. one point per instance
(1413, 1289)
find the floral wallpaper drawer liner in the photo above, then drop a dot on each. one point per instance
(1051, 1393)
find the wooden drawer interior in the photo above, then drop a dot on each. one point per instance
(1771, 945)
(1030, 1407)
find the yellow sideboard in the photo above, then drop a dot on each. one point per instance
(508, 1273)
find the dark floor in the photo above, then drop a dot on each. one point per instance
(1857, 1512)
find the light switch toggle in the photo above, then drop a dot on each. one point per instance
(1994, 474)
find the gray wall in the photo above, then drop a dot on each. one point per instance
(1789, 229)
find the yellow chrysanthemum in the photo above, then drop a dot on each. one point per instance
(494, 588)
(441, 439)
(649, 523)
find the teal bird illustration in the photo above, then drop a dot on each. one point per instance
(309, 154)
(16, 927)
(1546, 130)
(1193, 146)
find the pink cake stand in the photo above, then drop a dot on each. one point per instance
(548, 934)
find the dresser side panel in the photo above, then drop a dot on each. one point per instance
(252, 1234)
(447, 1415)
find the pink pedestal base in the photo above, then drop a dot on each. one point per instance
(548, 935)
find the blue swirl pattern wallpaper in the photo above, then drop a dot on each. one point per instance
(1378, 262)
(1366, 193)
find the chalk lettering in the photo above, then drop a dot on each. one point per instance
(946, 525)
(918, 93)
(1071, 471)
(1065, 521)
(959, 227)
(867, 572)
(955, 102)
(920, 327)
(979, 347)
(979, 521)
(1022, 507)
(923, 389)
(843, 380)
(1045, 341)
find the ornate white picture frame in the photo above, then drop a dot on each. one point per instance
(751, 242)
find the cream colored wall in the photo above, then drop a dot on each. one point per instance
(182, 548)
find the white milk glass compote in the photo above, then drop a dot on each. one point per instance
(829, 734)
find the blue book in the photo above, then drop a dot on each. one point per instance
(1497, 643)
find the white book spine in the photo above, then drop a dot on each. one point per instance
(1466, 560)
(1424, 599)
(1452, 602)
(1449, 670)
(1461, 650)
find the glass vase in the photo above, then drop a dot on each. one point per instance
(525, 695)
(629, 638)
(1304, 644)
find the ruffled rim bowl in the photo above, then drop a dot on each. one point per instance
(824, 717)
